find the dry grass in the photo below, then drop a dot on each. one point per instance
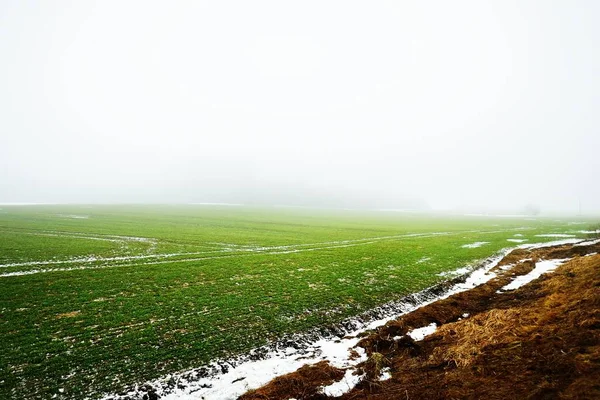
(474, 335)
(537, 342)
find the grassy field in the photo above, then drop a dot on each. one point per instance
(95, 298)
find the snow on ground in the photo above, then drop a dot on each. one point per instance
(541, 268)
(255, 373)
(93, 258)
(590, 232)
(556, 235)
(421, 333)
(478, 277)
(516, 240)
(385, 374)
(473, 245)
(549, 244)
(588, 242)
(73, 216)
(345, 385)
(507, 267)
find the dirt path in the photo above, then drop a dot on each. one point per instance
(541, 341)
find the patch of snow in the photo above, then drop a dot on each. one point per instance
(422, 333)
(584, 232)
(556, 235)
(541, 268)
(423, 259)
(588, 242)
(92, 258)
(591, 254)
(518, 235)
(347, 383)
(385, 374)
(549, 244)
(516, 240)
(73, 216)
(507, 267)
(473, 245)
(478, 277)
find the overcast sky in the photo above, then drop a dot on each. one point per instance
(483, 104)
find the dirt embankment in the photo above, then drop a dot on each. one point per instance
(540, 341)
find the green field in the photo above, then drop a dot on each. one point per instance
(95, 298)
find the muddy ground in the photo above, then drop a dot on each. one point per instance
(541, 341)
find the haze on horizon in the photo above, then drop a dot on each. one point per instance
(471, 105)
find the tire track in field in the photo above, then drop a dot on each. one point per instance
(258, 250)
(292, 248)
(246, 254)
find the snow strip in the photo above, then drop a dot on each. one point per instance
(421, 333)
(549, 244)
(344, 386)
(588, 243)
(473, 245)
(556, 235)
(516, 240)
(541, 268)
(73, 216)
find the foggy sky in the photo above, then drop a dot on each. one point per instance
(461, 104)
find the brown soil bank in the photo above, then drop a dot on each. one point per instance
(541, 341)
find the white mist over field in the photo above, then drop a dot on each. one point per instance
(470, 105)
